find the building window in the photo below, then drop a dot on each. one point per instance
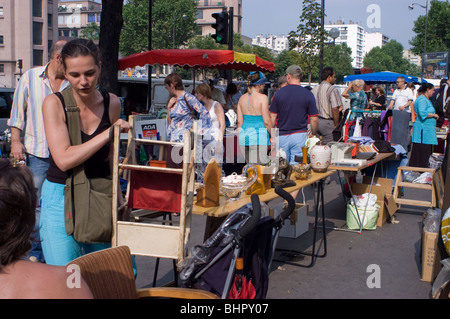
(99, 15)
(1, 40)
(50, 20)
(38, 56)
(37, 8)
(2, 68)
(91, 17)
(1, 12)
(37, 33)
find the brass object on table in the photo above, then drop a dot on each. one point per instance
(282, 177)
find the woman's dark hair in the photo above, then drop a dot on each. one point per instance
(231, 89)
(424, 87)
(18, 201)
(175, 79)
(80, 47)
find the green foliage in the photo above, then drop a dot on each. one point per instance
(173, 24)
(339, 58)
(91, 31)
(389, 58)
(438, 28)
(309, 36)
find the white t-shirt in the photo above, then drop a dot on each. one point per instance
(401, 97)
(215, 128)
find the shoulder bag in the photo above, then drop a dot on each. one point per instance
(87, 202)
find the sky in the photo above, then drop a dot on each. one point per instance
(390, 17)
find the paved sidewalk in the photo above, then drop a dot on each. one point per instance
(393, 249)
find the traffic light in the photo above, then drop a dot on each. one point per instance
(221, 26)
(19, 64)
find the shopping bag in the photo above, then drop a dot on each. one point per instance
(368, 217)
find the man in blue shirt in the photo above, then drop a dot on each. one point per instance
(290, 109)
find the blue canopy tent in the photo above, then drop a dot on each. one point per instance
(383, 77)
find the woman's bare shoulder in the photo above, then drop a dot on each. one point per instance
(31, 280)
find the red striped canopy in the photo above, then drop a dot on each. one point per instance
(198, 59)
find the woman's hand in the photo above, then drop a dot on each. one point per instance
(124, 125)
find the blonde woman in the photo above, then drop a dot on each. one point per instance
(215, 109)
(355, 92)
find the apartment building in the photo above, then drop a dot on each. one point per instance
(354, 36)
(276, 43)
(205, 9)
(375, 39)
(28, 28)
(74, 16)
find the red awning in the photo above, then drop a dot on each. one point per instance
(199, 59)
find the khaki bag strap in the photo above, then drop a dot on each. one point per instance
(73, 125)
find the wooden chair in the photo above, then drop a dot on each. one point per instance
(153, 192)
(109, 275)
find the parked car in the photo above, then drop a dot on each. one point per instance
(6, 100)
(134, 92)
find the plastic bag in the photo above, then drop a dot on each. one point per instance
(368, 217)
(410, 176)
(357, 132)
(364, 199)
(424, 178)
(432, 220)
(442, 281)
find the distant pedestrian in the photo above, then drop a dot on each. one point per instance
(402, 97)
(26, 120)
(216, 94)
(290, 109)
(358, 98)
(184, 108)
(424, 128)
(214, 146)
(329, 104)
(232, 96)
(379, 101)
(254, 123)
(442, 98)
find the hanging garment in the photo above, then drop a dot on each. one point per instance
(400, 132)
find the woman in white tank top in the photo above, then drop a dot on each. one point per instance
(203, 94)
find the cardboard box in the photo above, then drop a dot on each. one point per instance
(298, 222)
(429, 251)
(382, 187)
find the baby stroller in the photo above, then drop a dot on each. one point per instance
(212, 266)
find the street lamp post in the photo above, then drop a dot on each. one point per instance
(411, 7)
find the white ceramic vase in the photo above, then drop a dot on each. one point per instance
(320, 157)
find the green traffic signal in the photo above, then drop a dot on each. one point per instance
(221, 27)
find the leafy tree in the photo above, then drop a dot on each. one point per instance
(285, 59)
(438, 29)
(378, 60)
(91, 31)
(389, 58)
(309, 35)
(173, 24)
(339, 58)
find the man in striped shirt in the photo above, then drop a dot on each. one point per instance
(26, 117)
(329, 103)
